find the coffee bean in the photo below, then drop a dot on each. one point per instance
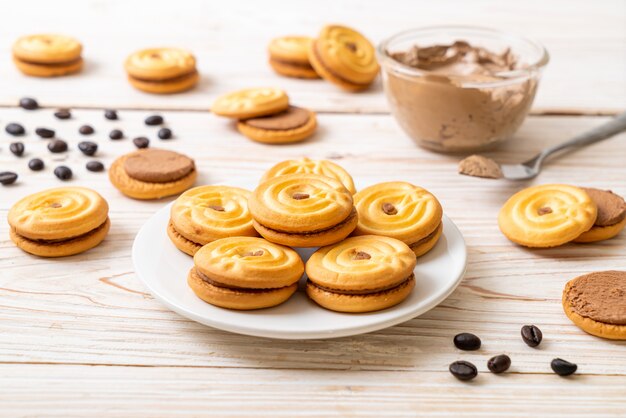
(7, 177)
(95, 166)
(165, 133)
(110, 114)
(44, 132)
(63, 172)
(57, 145)
(63, 114)
(154, 120)
(141, 142)
(466, 341)
(36, 164)
(29, 103)
(531, 335)
(563, 367)
(88, 147)
(463, 370)
(499, 364)
(116, 134)
(86, 130)
(15, 129)
(17, 148)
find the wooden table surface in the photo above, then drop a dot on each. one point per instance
(81, 335)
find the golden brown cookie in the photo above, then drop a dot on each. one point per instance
(400, 210)
(547, 216)
(344, 57)
(152, 173)
(596, 303)
(289, 56)
(245, 273)
(361, 274)
(611, 216)
(251, 103)
(303, 210)
(59, 222)
(308, 166)
(208, 213)
(162, 70)
(292, 125)
(47, 55)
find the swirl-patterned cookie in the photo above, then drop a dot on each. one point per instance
(547, 216)
(400, 210)
(59, 222)
(361, 274)
(47, 55)
(308, 166)
(208, 213)
(289, 56)
(162, 70)
(245, 273)
(344, 57)
(251, 103)
(303, 210)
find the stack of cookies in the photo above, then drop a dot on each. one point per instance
(555, 214)
(47, 55)
(339, 54)
(265, 115)
(162, 70)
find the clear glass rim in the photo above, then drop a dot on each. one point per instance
(508, 77)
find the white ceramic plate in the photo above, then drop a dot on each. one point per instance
(163, 269)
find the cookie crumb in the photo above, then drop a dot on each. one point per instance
(480, 166)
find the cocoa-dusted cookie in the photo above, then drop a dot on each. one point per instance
(611, 216)
(291, 125)
(152, 173)
(47, 55)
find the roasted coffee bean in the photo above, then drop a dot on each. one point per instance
(466, 341)
(29, 103)
(63, 172)
(36, 164)
(165, 133)
(463, 370)
(88, 147)
(15, 129)
(7, 177)
(531, 335)
(57, 145)
(63, 114)
(17, 148)
(110, 114)
(141, 142)
(44, 132)
(95, 166)
(154, 120)
(563, 367)
(116, 134)
(499, 364)
(86, 130)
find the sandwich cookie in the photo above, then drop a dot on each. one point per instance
(400, 210)
(291, 125)
(307, 166)
(152, 173)
(47, 55)
(59, 222)
(289, 56)
(611, 217)
(344, 57)
(207, 213)
(547, 216)
(251, 103)
(596, 303)
(162, 70)
(361, 274)
(245, 273)
(303, 210)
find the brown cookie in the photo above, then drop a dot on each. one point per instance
(158, 165)
(291, 118)
(611, 207)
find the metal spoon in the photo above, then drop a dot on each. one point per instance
(531, 168)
